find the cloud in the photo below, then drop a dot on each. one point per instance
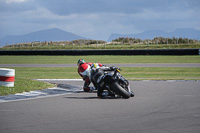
(97, 19)
(15, 6)
(89, 6)
(15, 1)
(64, 7)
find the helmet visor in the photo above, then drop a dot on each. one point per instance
(81, 61)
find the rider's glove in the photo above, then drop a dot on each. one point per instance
(113, 68)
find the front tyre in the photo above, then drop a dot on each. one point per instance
(121, 91)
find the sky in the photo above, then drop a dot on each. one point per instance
(97, 19)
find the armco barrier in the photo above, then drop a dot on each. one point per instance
(103, 52)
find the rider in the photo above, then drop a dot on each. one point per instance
(83, 71)
(91, 72)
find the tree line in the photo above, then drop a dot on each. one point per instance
(120, 40)
(79, 42)
(156, 40)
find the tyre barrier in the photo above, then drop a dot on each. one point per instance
(7, 77)
(103, 52)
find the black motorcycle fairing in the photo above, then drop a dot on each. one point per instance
(110, 80)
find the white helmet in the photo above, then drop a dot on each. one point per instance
(85, 69)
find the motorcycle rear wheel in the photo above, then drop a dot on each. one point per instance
(121, 91)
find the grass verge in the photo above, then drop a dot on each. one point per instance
(101, 59)
(24, 85)
(128, 72)
(162, 73)
(23, 82)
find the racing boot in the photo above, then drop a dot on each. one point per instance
(132, 94)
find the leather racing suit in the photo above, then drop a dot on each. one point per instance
(86, 79)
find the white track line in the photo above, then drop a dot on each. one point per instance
(59, 79)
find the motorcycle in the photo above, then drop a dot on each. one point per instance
(115, 84)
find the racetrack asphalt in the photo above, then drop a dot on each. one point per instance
(158, 107)
(118, 65)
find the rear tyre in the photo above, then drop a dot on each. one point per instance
(121, 91)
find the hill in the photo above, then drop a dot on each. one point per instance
(181, 32)
(43, 35)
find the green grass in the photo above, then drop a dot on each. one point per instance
(46, 72)
(24, 75)
(128, 72)
(101, 59)
(162, 73)
(24, 85)
(23, 82)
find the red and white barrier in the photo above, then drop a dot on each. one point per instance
(7, 77)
